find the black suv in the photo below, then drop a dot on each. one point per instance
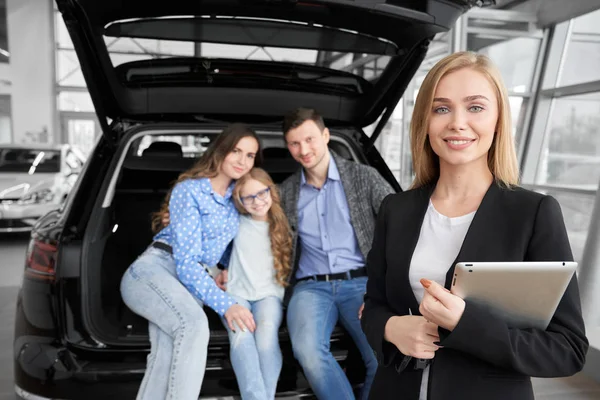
(351, 60)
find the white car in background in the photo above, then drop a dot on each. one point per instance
(35, 179)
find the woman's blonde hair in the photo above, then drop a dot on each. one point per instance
(279, 228)
(502, 158)
(209, 164)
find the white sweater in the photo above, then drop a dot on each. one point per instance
(251, 273)
(439, 242)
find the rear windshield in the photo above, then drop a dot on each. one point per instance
(190, 146)
(29, 161)
(187, 146)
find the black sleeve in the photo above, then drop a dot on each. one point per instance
(559, 350)
(376, 312)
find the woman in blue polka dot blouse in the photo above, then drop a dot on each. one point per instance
(169, 283)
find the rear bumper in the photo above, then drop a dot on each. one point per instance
(213, 388)
(46, 372)
(21, 217)
(22, 394)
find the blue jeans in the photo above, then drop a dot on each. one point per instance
(256, 356)
(312, 314)
(177, 326)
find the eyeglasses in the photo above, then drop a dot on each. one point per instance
(262, 196)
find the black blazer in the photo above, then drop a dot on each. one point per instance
(482, 358)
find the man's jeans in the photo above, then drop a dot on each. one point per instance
(177, 326)
(314, 309)
(256, 356)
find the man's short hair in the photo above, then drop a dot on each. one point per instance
(299, 116)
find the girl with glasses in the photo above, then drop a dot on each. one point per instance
(256, 278)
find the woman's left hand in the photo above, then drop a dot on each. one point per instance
(440, 306)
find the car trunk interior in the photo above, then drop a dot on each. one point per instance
(122, 231)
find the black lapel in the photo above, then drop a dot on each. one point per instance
(472, 244)
(411, 230)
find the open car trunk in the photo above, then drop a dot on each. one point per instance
(120, 229)
(350, 60)
(237, 60)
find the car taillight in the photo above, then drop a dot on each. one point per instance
(40, 262)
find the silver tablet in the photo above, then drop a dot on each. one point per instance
(525, 294)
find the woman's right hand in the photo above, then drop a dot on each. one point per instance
(241, 316)
(413, 335)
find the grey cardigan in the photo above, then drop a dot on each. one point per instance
(365, 189)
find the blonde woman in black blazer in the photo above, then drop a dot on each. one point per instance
(440, 347)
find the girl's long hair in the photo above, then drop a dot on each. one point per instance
(209, 164)
(279, 228)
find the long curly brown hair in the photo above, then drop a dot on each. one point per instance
(209, 164)
(279, 228)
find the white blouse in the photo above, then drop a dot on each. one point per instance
(439, 242)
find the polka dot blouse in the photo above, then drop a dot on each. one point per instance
(203, 223)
